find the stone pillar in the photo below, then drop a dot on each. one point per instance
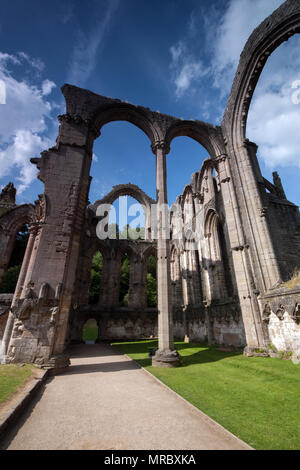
(111, 281)
(241, 259)
(18, 292)
(42, 311)
(166, 356)
(255, 220)
(136, 282)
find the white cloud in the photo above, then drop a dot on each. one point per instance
(86, 49)
(34, 63)
(273, 121)
(273, 118)
(17, 156)
(47, 87)
(185, 69)
(238, 22)
(24, 119)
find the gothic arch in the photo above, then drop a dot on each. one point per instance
(124, 190)
(96, 111)
(128, 190)
(10, 224)
(129, 113)
(208, 136)
(15, 218)
(272, 32)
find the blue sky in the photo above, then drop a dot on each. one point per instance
(175, 56)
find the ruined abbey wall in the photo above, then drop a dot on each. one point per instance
(224, 285)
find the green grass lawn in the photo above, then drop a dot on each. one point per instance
(90, 331)
(256, 398)
(11, 378)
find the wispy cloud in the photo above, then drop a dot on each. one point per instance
(273, 120)
(87, 46)
(231, 34)
(186, 70)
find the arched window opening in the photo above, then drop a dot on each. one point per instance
(273, 125)
(127, 219)
(185, 158)
(216, 248)
(90, 331)
(123, 146)
(215, 181)
(124, 281)
(151, 282)
(10, 278)
(274, 116)
(95, 277)
(225, 260)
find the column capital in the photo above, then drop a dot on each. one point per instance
(221, 158)
(160, 145)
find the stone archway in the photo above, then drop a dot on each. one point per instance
(129, 190)
(10, 224)
(50, 273)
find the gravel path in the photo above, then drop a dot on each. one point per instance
(105, 401)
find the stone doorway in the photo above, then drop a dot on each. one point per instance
(90, 331)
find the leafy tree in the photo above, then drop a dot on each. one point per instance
(151, 282)
(96, 272)
(151, 266)
(130, 233)
(124, 280)
(151, 291)
(10, 278)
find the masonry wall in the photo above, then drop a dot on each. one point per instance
(281, 311)
(219, 324)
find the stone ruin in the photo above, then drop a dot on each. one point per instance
(227, 291)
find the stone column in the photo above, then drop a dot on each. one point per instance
(241, 259)
(136, 282)
(112, 281)
(43, 309)
(166, 356)
(18, 291)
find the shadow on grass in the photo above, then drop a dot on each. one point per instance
(206, 354)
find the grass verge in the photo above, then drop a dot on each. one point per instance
(255, 398)
(12, 377)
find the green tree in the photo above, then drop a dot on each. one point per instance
(151, 282)
(151, 291)
(96, 273)
(124, 280)
(10, 278)
(130, 233)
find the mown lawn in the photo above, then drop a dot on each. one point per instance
(256, 398)
(11, 378)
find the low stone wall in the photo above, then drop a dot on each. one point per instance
(281, 314)
(128, 324)
(220, 323)
(116, 324)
